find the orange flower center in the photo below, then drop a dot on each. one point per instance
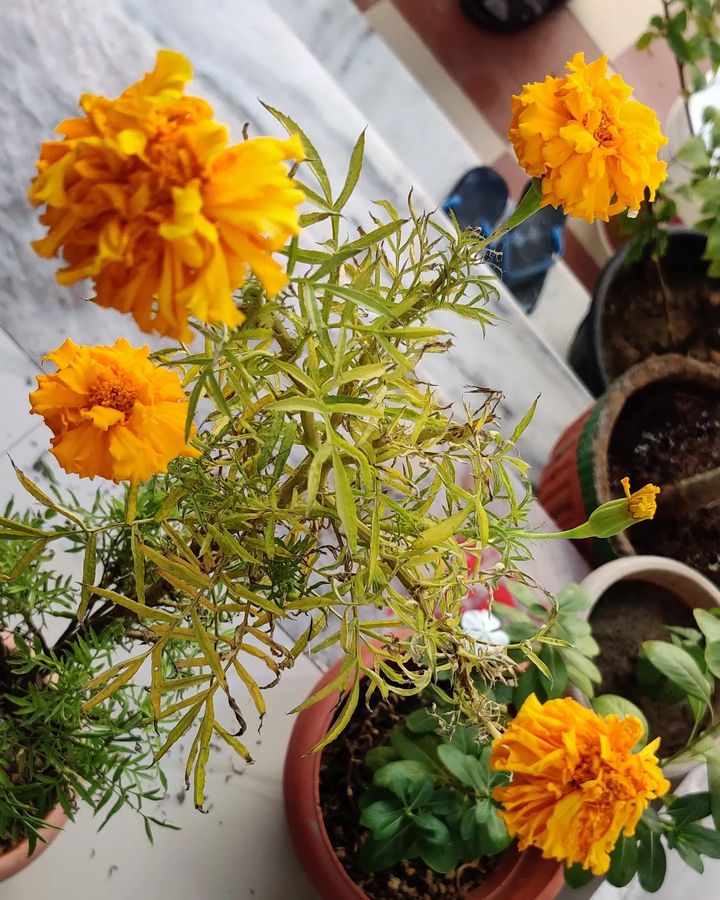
(117, 391)
(602, 132)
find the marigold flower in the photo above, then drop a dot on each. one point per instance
(595, 150)
(143, 195)
(641, 503)
(113, 413)
(576, 784)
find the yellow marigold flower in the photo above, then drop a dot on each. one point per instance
(143, 195)
(576, 784)
(113, 413)
(642, 503)
(595, 150)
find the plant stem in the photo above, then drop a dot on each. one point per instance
(667, 297)
(700, 491)
(681, 74)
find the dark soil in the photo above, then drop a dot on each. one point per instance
(626, 615)
(665, 433)
(638, 321)
(343, 779)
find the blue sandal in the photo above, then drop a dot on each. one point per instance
(479, 199)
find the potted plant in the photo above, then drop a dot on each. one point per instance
(286, 477)
(658, 418)
(657, 292)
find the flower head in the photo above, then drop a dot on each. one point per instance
(576, 783)
(143, 195)
(641, 503)
(595, 150)
(113, 413)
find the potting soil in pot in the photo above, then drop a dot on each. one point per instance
(667, 432)
(343, 779)
(627, 614)
(640, 318)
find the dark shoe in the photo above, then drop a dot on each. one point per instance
(507, 16)
(479, 199)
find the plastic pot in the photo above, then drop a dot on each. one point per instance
(518, 876)
(576, 479)
(689, 586)
(586, 356)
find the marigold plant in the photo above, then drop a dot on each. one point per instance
(595, 150)
(143, 195)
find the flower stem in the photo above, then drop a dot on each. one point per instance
(528, 206)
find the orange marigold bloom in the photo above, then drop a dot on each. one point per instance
(595, 150)
(113, 413)
(143, 195)
(576, 784)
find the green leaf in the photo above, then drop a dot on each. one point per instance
(345, 501)
(312, 157)
(377, 757)
(410, 781)
(347, 251)
(678, 666)
(689, 808)
(576, 876)
(375, 855)
(694, 153)
(434, 843)
(651, 863)
(492, 833)
(712, 758)
(612, 704)
(354, 170)
(623, 861)
(704, 840)
(467, 769)
(689, 856)
(43, 498)
(422, 749)
(712, 657)
(360, 298)
(642, 43)
(421, 722)
(524, 422)
(440, 532)
(384, 818)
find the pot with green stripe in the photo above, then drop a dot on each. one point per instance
(576, 479)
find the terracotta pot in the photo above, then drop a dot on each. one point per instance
(518, 876)
(689, 586)
(12, 861)
(576, 479)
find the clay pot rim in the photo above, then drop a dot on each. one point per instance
(665, 572)
(16, 858)
(653, 370)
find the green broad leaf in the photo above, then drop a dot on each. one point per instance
(409, 780)
(493, 835)
(377, 757)
(384, 818)
(434, 843)
(464, 738)
(356, 161)
(694, 152)
(678, 666)
(375, 855)
(443, 802)
(420, 748)
(345, 501)
(689, 808)
(421, 722)
(612, 704)
(623, 861)
(689, 855)
(576, 876)
(467, 769)
(712, 657)
(712, 759)
(704, 840)
(651, 862)
(572, 599)
(642, 43)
